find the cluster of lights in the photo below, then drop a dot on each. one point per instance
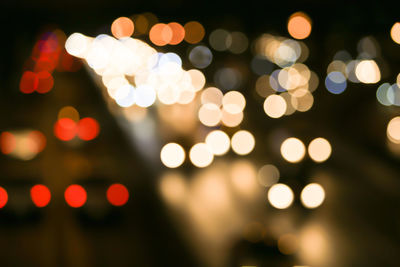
(389, 95)
(293, 150)
(281, 196)
(68, 126)
(289, 88)
(47, 56)
(136, 76)
(75, 195)
(23, 145)
(159, 34)
(201, 155)
(363, 69)
(174, 33)
(134, 73)
(218, 108)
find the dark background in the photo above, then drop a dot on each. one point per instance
(364, 211)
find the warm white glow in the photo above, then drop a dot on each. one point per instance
(367, 71)
(231, 120)
(280, 196)
(198, 79)
(275, 106)
(293, 150)
(212, 95)
(99, 55)
(210, 114)
(312, 195)
(172, 155)
(114, 84)
(393, 130)
(319, 149)
(77, 45)
(395, 32)
(233, 102)
(168, 95)
(243, 142)
(187, 95)
(218, 141)
(302, 100)
(201, 155)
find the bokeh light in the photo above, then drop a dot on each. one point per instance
(29, 82)
(243, 142)
(40, 195)
(220, 39)
(243, 176)
(3, 197)
(393, 94)
(69, 112)
(239, 42)
(367, 71)
(231, 120)
(228, 78)
(194, 32)
(319, 149)
(268, 175)
(395, 32)
(312, 195)
(8, 142)
(122, 27)
(335, 82)
(45, 82)
(77, 45)
(210, 114)
(212, 95)
(88, 129)
(293, 150)
(172, 155)
(117, 194)
(65, 129)
(145, 96)
(75, 196)
(280, 196)
(22, 144)
(201, 155)
(393, 130)
(198, 79)
(173, 188)
(275, 106)
(160, 34)
(218, 141)
(299, 25)
(233, 102)
(382, 94)
(200, 56)
(178, 33)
